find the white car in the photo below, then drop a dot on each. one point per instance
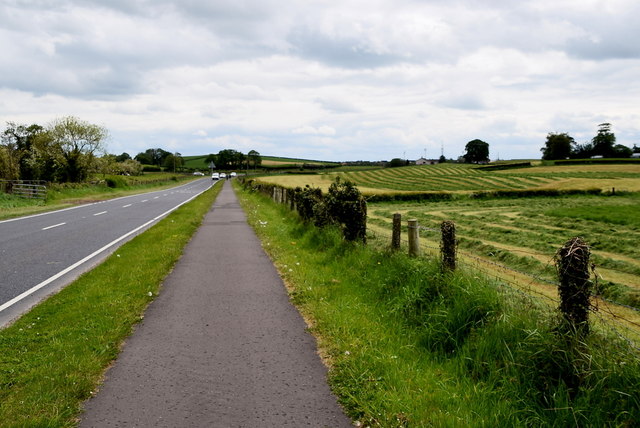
(198, 173)
(233, 174)
(223, 175)
(215, 176)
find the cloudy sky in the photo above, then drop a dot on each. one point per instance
(325, 79)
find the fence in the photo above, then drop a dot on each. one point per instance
(614, 318)
(620, 320)
(30, 189)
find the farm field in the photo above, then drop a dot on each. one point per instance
(461, 178)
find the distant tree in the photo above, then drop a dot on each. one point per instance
(18, 141)
(173, 162)
(144, 158)
(254, 159)
(396, 162)
(211, 159)
(442, 159)
(123, 157)
(557, 146)
(604, 141)
(230, 159)
(582, 151)
(476, 151)
(621, 151)
(635, 149)
(75, 143)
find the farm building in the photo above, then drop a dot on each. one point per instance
(423, 161)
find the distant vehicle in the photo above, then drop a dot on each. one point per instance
(223, 175)
(233, 174)
(198, 173)
(215, 176)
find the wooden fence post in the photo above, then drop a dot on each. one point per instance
(397, 228)
(448, 245)
(572, 261)
(414, 241)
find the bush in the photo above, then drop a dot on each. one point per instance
(115, 182)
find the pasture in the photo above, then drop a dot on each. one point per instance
(463, 178)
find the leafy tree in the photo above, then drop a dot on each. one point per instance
(18, 140)
(230, 159)
(144, 158)
(157, 156)
(396, 162)
(621, 151)
(442, 159)
(123, 157)
(173, 162)
(211, 158)
(557, 146)
(635, 149)
(604, 141)
(9, 164)
(582, 151)
(254, 159)
(75, 143)
(476, 151)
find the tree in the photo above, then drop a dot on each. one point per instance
(557, 146)
(123, 157)
(75, 144)
(254, 159)
(604, 141)
(635, 149)
(476, 151)
(442, 159)
(144, 158)
(18, 140)
(230, 159)
(396, 162)
(173, 162)
(621, 151)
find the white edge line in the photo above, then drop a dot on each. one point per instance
(87, 205)
(92, 255)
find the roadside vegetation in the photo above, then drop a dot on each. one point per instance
(53, 357)
(410, 346)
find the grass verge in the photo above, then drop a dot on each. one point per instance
(53, 357)
(410, 346)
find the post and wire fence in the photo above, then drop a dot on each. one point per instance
(572, 294)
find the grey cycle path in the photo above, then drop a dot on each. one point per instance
(221, 346)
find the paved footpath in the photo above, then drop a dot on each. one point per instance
(221, 346)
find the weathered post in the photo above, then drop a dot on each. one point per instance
(572, 261)
(414, 241)
(448, 245)
(397, 228)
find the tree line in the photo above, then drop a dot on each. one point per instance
(563, 146)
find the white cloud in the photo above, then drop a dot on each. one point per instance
(343, 80)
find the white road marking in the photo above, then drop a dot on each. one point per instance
(55, 225)
(92, 255)
(100, 213)
(156, 197)
(144, 200)
(126, 206)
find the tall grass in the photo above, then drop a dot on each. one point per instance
(411, 346)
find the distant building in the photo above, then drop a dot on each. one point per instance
(635, 155)
(423, 161)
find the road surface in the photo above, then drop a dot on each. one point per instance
(41, 253)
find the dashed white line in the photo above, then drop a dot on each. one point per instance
(55, 225)
(144, 200)
(126, 206)
(100, 213)
(156, 197)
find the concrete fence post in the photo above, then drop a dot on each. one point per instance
(414, 240)
(397, 228)
(572, 261)
(448, 245)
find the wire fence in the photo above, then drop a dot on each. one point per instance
(605, 311)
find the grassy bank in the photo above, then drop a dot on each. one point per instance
(52, 358)
(409, 346)
(68, 194)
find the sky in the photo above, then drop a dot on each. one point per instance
(328, 80)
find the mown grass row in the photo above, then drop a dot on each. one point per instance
(526, 233)
(411, 346)
(52, 358)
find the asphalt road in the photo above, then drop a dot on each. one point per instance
(221, 346)
(41, 253)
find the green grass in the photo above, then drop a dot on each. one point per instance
(52, 358)
(525, 233)
(409, 346)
